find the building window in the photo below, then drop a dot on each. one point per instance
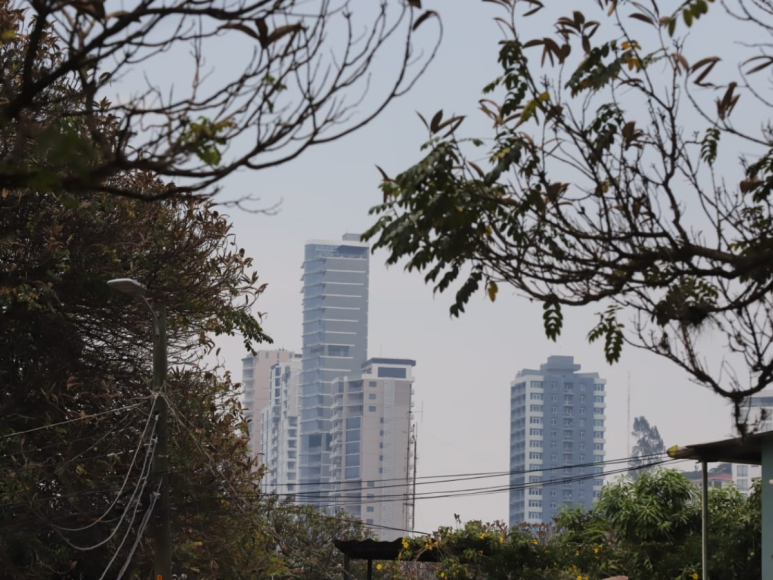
(553, 445)
(535, 396)
(534, 479)
(582, 434)
(352, 473)
(568, 434)
(581, 458)
(535, 408)
(292, 454)
(371, 484)
(535, 467)
(536, 384)
(582, 397)
(553, 504)
(554, 398)
(554, 410)
(535, 420)
(554, 433)
(598, 387)
(598, 458)
(535, 515)
(536, 432)
(535, 443)
(369, 521)
(372, 396)
(535, 455)
(371, 408)
(568, 423)
(370, 509)
(553, 493)
(554, 421)
(567, 387)
(372, 383)
(598, 423)
(535, 503)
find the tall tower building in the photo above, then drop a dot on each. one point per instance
(557, 434)
(280, 429)
(257, 382)
(371, 454)
(335, 342)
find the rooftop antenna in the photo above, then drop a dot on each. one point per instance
(628, 426)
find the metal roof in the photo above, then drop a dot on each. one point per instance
(374, 550)
(737, 450)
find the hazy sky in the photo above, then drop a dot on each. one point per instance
(464, 366)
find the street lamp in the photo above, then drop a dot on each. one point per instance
(162, 536)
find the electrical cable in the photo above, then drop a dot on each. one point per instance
(17, 433)
(131, 466)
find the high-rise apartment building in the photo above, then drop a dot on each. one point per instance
(557, 437)
(280, 429)
(757, 411)
(335, 343)
(256, 382)
(371, 451)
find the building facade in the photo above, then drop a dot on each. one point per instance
(758, 414)
(557, 439)
(256, 382)
(372, 445)
(335, 342)
(280, 429)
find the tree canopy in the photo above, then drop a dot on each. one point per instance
(296, 76)
(648, 443)
(620, 171)
(644, 529)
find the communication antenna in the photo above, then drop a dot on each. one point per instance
(628, 426)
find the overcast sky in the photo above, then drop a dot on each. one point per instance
(464, 366)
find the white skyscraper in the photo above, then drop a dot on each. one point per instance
(371, 451)
(280, 429)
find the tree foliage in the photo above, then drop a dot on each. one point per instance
(648, 443)
(76, 410)
(644, 529)
(297, 76)
(620, 171)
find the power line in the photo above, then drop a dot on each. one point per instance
(464, 477)
(81, 418)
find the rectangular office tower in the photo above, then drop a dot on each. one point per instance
(335, 343)
(256, 381)
(557, 437)
(280, 429)
(372, 453)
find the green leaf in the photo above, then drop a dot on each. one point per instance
(553, 319)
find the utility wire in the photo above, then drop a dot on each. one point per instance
(83, 418)
(462, 477)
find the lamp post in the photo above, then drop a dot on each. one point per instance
(162, 533)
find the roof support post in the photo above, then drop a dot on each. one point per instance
(705, 521)
(767, 510)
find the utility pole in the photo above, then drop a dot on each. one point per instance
(415, 459)
(162, 530)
